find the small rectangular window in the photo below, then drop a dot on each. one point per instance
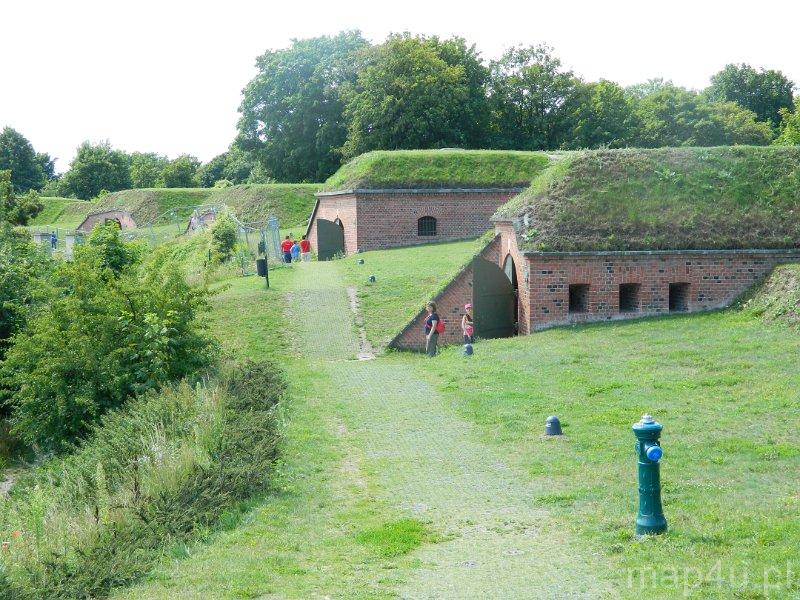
(629, 297)
(578, 298)
(678, 297)
(426, 226)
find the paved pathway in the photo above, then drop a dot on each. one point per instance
(429, 462)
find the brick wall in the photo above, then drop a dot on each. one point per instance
(342, 207)
(388, 219)
(450, 306)
(715, 280)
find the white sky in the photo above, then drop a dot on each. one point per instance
(166, 76)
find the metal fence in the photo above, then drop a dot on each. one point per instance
(57, 240)
(258, 239)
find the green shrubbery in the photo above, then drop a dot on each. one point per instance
(150, 477)
(223, 238)
(113, 329)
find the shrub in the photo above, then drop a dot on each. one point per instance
(223, 237)
(105, 338)
(172, 464)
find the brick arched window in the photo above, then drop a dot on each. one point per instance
(426, 226)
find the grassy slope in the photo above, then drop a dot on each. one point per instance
(291, 203)
(668, 198)
(778, 299)
(438, 169)
(725, 388)
(406, 278)
(62, 212)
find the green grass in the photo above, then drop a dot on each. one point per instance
(291, 203)
(397, 537)
(62, 212)
(667, 198)
(406, 278)
(778, 299)
(438, 169)
(725, 389)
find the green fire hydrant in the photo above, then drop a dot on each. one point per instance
(650, 518)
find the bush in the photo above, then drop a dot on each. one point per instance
(223, 238)
(107, 335)
(171, 465)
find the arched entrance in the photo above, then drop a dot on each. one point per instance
(330, 238)
(493, 299)
(511, 273)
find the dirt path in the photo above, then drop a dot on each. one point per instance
(429, 462)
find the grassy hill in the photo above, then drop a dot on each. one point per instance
(291, 203)
(667, 198)
(778, 299)
(438, 169)
(62, 212)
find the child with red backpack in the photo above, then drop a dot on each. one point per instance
(433, 327)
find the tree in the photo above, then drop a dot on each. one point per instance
(407, 96)
(18, 156)
(23, 270)
(17, 209)
(603, 115)
(180, 172)
(212, 171)
(790, 126)
(529, 94)
(48, 165)
(764, 92)
(674, 116)
(292, 111)
(146, 169)
(96, 167)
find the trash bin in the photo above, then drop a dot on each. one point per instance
(261, 267)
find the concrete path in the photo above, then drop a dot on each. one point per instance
(429, 462)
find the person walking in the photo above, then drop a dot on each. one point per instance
(53, 240)
(433, 326)
(295, 251)
(286, 248)
(305, 249)
(467, 326)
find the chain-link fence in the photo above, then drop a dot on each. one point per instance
(259, 239)
(57, 240)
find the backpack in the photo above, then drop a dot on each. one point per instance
(440, 327)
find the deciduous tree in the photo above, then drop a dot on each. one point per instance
(18, 156)
(765, 92)
(96, 167)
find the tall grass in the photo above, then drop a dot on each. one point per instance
(152, 475)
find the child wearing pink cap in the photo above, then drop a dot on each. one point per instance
(467, 326)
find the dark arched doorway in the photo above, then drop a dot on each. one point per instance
(511, 273)
(330, 238)
(493, 300)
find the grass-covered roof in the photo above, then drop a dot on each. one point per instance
(438, 169)
(663, 199)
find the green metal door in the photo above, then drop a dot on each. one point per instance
(330, 239)
(493, 300)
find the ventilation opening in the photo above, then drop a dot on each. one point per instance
(629, 297)
(678, 297)
(578, 298)
(426, 226)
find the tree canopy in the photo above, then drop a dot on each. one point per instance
(765, 92)
(95, 168)
(29, 170)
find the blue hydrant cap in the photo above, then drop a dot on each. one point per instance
(654, 453)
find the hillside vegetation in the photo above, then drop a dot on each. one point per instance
(62, 212)
(438, 169)
(291, 203)
(778, 299)
(663, 199)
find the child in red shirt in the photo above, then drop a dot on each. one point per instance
(286, 248)
(305, 249)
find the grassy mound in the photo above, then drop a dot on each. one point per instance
(778, 299)
(438, 169)
(291, 203)
(62, 212)
(406, 278)
(664, 199)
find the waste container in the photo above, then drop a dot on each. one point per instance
(261, 267)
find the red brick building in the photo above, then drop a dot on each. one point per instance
(574, 249)
(370, 219)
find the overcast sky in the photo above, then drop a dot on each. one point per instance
(166, 76)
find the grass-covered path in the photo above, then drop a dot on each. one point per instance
(428, 464)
